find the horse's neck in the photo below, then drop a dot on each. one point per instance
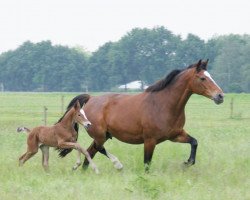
(175, 97)
(68, 120)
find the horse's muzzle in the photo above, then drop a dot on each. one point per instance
(218, 98)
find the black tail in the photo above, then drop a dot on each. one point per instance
(82, 98)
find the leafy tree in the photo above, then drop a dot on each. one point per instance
(229, 63)
(191, 50)
(43, 67)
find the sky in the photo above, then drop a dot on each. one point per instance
(92, 23)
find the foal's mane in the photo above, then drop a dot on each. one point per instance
(82, 98)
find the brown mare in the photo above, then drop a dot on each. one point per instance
(61, 135)
(150, 117)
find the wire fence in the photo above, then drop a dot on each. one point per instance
(50, 107)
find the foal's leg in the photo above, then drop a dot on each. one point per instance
(45, 157)
(26, 156)
(93, 149)
(149, 146)
(76, 146)
(185, 138)
(78, 161)
(20, 158)
(32, 149)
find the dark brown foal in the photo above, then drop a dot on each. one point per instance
(62, 135)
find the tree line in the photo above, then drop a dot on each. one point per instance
(142, 54)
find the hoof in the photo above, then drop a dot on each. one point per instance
(146, 168)
(84, 166)
(189, 163)
(118, 165)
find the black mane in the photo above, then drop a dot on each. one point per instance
(163, 83)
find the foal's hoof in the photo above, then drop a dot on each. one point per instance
(189, 163)
(96, 171)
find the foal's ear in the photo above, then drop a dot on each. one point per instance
(77, 105)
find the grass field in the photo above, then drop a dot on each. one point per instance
(222, 169)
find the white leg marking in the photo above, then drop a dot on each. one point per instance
(117, 164)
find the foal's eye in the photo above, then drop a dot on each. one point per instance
(203, 78)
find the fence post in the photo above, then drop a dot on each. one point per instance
(62, 103)
(45, 115)
(231, 107)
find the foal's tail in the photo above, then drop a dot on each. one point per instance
(21, 129)
(83, 99)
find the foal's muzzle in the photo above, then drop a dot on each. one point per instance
(218, 98)
(87, 125)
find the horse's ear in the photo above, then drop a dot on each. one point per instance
(205, 65)
(198, 65)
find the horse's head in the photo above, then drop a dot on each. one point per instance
(80, 116)
(203, 84)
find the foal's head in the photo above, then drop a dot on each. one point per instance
(80, 116)
(202, 83)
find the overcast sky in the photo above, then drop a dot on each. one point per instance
(91, 23)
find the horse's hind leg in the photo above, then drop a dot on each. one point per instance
(149, 146)
(45, 157)
(78, 161)
(185, 138)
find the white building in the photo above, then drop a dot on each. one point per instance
(136, 85)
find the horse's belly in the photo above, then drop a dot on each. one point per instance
(127, 137)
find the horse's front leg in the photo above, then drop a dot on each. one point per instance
(183, 137)
(149, 146)
(117, 164)
(92, 151)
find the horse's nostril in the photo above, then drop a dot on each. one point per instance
(220, 96)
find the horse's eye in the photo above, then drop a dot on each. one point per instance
(203, 78)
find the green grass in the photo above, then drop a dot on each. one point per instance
(222, 169)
